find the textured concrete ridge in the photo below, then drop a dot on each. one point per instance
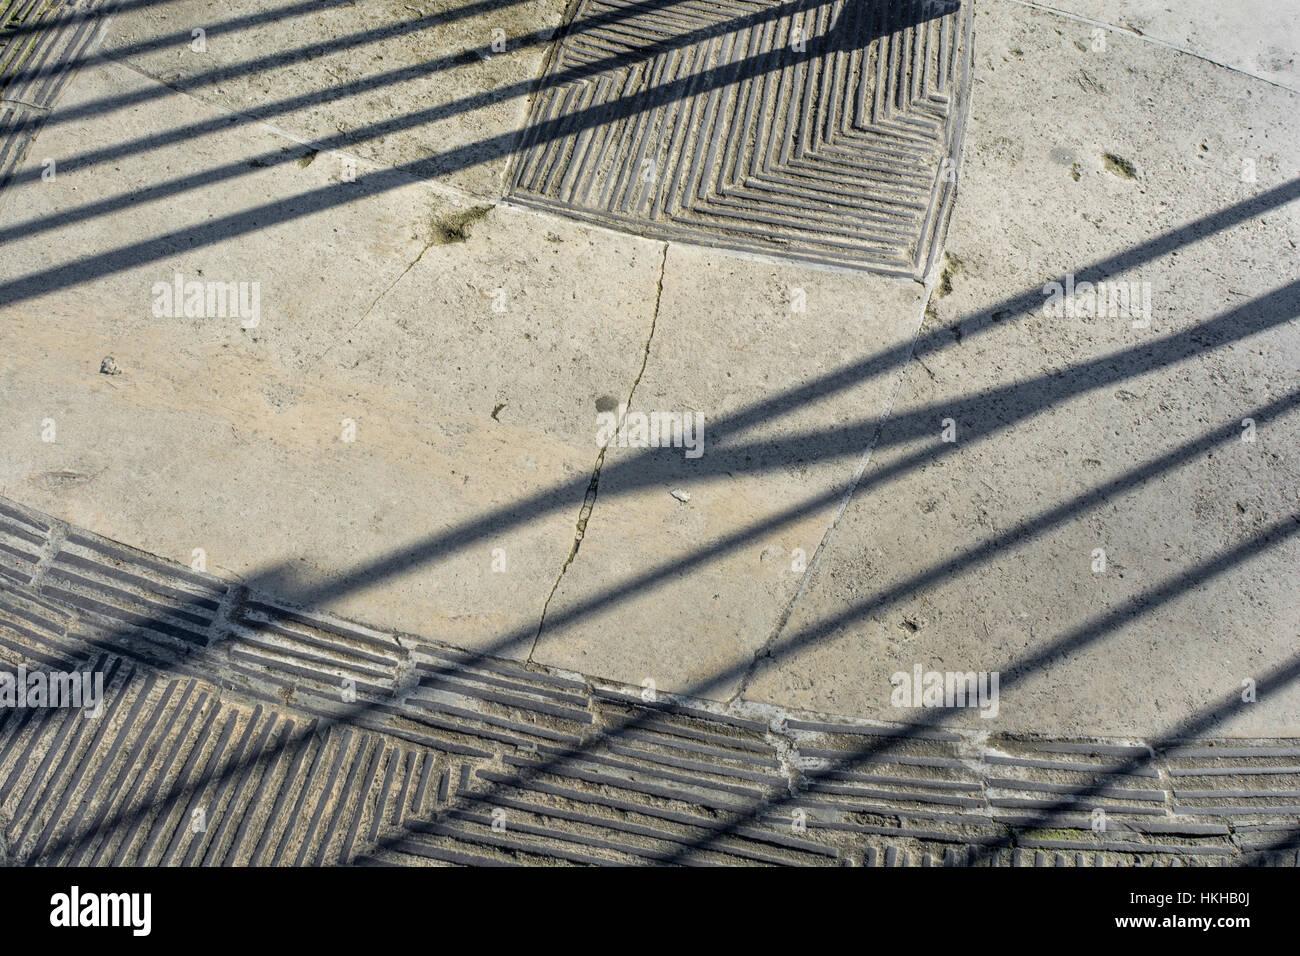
(238, 731)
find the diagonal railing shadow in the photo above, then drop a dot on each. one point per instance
(32, 28)
(319, 49)
(1267, 312)
(838, 39)
(215, 29)
(1013, 403)
(1076, 640)
(1088, 633)
(982, 417)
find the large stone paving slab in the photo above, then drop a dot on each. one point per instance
(438, 88)
(388, 409)
(1259, 37)
(687, 564)
(1114, 525)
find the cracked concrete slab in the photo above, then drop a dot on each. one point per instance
(1253, 36)
(1098, 488)
(195, 207)
(441, 356)
(681, 590)
(384, 551)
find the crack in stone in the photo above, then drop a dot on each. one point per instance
(34, 107)
(1136, 34)
(589, 499)
(764, 651)
(433, 241)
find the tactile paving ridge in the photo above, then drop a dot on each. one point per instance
(819, 130)
(41, 44)
(237, 730)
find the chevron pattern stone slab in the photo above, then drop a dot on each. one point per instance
(822, 130)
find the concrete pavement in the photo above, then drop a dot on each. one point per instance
(1094, 497)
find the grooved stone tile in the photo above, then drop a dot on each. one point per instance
(813, 130)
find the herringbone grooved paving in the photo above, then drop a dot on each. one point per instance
(810, 130)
